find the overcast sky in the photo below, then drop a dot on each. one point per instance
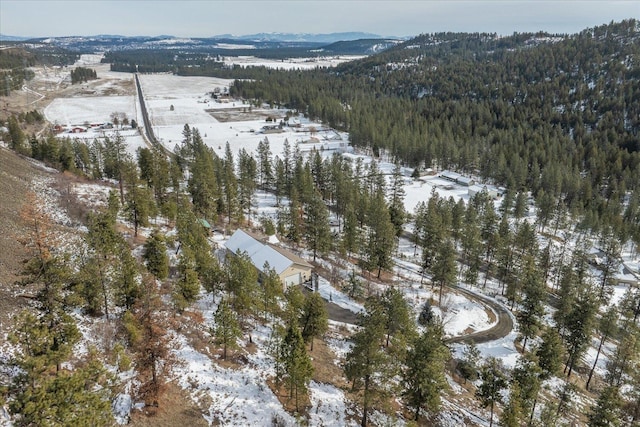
(204, 18)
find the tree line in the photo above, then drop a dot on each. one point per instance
(109, 282)
(82, 75)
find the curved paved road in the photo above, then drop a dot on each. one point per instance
(501, 329)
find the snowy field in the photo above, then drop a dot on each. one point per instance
(291, 63)
(96, 109)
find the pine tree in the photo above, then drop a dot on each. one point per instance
(78, 397)
(87, 285)
(160, 177)
(16, 135)
(101, 263)
(280, 180)
(520, 205)
(45, 341)
(316, 225)
(351, 233)
(426, 316)
(580, 324)
(493, 382)
(423, 377)
(203, 182)
(314, 320)
(468, 366)
(367, 364)
(155, 255)
(396, 316)
(293, 219)
(226, 329)
(432, 232)
(126, 278)
(550, 353)
(271, 289)
(471, 246)
(145, 162)
(512, 414)
(187, 287)
(381, 239)
(444, 267)
(611, 247)
(528, 377)
(607, 326)
(505, 263)
(230, 184)
(353, 286)
(247, 176)
(265, 168)
(631, 396)
(51, 273)
(397, 212)
(531, 312)
(115, 158)
(146, 326)
(626, 357)
(630, 304)
(295, 304)
(287, 167)
(193, 236)
(242, 284)
(297, 364)
(606, 413)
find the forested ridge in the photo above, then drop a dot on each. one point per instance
(557, 115)
(15, 61)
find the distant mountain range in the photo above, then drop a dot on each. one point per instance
(6, 38)
(258, 37)
(302, 37)
(260, 44)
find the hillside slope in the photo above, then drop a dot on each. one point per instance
(16, 179)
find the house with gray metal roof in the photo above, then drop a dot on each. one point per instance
(291, 269)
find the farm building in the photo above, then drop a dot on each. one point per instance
(450, 176)
(457, 178)
(465, 181)
(292, 269)
(492, 191)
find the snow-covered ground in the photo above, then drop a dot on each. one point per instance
(291, 63)
(241, 396)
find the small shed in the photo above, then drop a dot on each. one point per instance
(205, 224)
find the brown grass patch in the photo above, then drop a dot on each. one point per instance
(289, 402)
(175, 408)
(324, 368)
